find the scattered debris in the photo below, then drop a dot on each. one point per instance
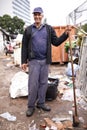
(51, 124)
(32, 125)
(81, 119)
(62, 117)
(8, 116)
(85, 126)
(59, 122)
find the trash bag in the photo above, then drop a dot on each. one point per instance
(52, 90)
(69, 69)
(18, 87)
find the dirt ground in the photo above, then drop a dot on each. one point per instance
(18, 106)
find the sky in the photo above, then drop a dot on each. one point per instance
(55, 11)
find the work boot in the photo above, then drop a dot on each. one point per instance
(30, 111)
(43, 107)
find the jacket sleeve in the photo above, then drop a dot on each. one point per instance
(55, 40)
(24, 49)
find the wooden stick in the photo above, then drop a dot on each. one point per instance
(73, 79)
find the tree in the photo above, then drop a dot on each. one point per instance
(5, 22)
(17, 24)
(12, 25)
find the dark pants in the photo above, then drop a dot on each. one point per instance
(38, 82)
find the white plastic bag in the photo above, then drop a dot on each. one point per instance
(8, 116)
(69, 69)
(19, 85)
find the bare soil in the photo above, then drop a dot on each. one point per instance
(18, 106)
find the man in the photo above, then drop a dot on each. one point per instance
(36, 52)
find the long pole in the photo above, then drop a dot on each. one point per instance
(73, 79)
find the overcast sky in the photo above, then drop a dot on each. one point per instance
(55, 10)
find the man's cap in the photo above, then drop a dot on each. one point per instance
(38, 10)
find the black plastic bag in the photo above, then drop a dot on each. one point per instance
(52, 90)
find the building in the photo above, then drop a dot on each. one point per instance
(19, 8)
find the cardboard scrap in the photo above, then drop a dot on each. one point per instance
(50, 123)
(68, 124)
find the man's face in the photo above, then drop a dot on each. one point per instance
(38, 17)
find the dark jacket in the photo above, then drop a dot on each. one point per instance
(27, 53)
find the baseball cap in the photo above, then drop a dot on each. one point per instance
(38, 10)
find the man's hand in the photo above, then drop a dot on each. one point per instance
(67, 30)
(24, 66)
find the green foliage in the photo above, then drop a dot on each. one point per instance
(84, 27)
(12, 25)
(67, 45)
